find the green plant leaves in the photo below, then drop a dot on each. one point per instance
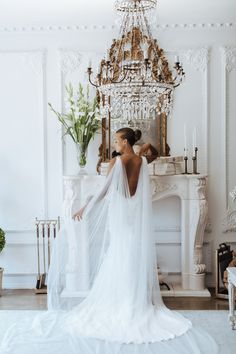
(2, 240)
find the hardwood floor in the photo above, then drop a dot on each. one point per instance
(27, 300)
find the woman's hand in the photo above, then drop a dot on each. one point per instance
(79, 214)
(144, 149)
(149, 152)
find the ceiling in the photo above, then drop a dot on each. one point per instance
(101, 12)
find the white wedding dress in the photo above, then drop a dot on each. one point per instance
(123, 311)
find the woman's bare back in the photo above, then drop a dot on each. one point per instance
(132, 164)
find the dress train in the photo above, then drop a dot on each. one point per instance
(123, 312)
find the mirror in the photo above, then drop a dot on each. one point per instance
(154, 132)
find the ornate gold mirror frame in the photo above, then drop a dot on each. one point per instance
(160, 142)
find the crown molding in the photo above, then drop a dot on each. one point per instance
(100, 27)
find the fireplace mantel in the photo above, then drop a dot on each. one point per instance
(191, 189)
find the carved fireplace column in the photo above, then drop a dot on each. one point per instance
(191, 189)
(197, 223)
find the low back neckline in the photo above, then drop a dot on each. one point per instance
(118, 158)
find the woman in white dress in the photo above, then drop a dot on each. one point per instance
(123, 311)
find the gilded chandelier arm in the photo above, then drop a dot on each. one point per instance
(123, 78)
(89, 71)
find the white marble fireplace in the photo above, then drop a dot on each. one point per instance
(191, 191)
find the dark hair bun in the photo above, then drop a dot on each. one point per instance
(137, 134)
(131, 135)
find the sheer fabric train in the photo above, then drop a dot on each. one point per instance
(123, 311)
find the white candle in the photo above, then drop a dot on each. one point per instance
(194, 139)
(185, 141)
(145, 50)
(177, 59)
(146, 53)
(90, 63)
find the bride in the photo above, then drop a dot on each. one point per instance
(123, 311)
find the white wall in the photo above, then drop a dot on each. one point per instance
(37, 58)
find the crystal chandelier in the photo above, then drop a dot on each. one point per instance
(134, 81)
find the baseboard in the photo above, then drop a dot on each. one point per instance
(19, 281)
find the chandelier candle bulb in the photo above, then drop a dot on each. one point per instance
(177, 59)
(107, 56)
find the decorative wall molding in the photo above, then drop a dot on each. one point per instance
(228, 64)
(36, 60)
(198, 58)
(19, 280)
(229, 58)
(224, 125)
(229, 222)
(167, 229)
(157, 244)
(18, 231)
(12, 244)
(70, 61)
(103, 27)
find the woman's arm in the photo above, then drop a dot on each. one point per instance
(79, 214)
(111, 164)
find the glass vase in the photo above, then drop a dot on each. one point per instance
(82, 151)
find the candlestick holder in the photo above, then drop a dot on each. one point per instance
(185, 166)
(194, 158)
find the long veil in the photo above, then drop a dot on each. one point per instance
(123, 311)
(111, 213)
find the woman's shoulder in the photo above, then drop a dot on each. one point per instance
(133, 159)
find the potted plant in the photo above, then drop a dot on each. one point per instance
(81, 122)
(2, 245)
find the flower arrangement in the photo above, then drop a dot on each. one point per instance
(82, 120)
